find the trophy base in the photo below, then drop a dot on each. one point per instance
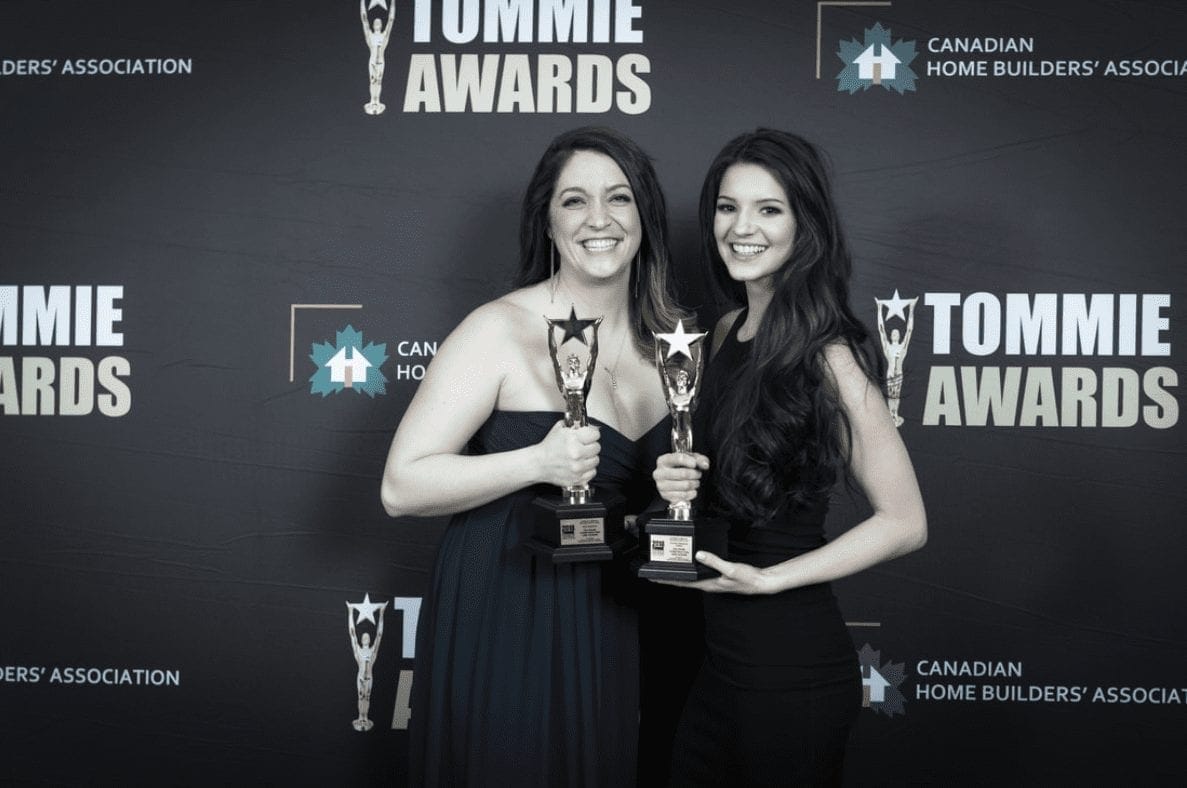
(374, 108)
(671, 544)
(663, 570)
(571, 532)
(362, 724)
(581, 552)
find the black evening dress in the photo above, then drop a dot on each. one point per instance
(527, 672)
(780, 685)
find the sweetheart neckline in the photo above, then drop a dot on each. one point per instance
(600, 423)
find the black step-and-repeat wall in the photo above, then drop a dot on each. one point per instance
(224, 270)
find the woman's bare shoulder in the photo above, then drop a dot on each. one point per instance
(846, 374)
(505, 319)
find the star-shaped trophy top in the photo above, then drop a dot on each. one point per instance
(679, 341)
(895, 305)
(367, 608)
(574, 327)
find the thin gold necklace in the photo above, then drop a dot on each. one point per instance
(611, 369)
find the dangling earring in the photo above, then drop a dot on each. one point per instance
(638, 275)
(552, 272)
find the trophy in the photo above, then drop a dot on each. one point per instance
(576, 526)
(672, 541)
(377, 36)
(365, 653)
(894, 347)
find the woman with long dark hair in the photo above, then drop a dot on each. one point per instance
(789, 409)
(527, 671)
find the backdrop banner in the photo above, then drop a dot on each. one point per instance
(234, 235)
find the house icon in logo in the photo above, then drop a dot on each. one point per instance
(347, 370)
(880, 683)
(348, 364)
(876, 59)
(873, 686)
(876, 67)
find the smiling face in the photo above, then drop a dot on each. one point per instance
(592, 217)
(753, 224)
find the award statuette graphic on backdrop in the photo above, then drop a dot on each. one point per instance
(365, 652)
(377, 35)
(894, 348)
(575, 526)
(674, 540)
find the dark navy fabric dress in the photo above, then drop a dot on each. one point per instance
(527, 672)
(780, 685)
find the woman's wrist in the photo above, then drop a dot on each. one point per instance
(533, 465)
(776, 579)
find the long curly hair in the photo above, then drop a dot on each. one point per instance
(782, 436)
(655, 308)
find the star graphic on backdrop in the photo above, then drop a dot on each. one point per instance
(367, 608)
(896, 305)
(574, 327)
(381, 3)
(678, 341)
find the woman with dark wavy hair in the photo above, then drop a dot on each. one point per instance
(527, 671)
(789, 408)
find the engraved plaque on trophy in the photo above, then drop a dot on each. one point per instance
(577, 525)
(673, 541)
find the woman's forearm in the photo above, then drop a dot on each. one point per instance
(879, 538)
(442, 484)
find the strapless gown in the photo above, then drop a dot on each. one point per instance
(527, 672)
